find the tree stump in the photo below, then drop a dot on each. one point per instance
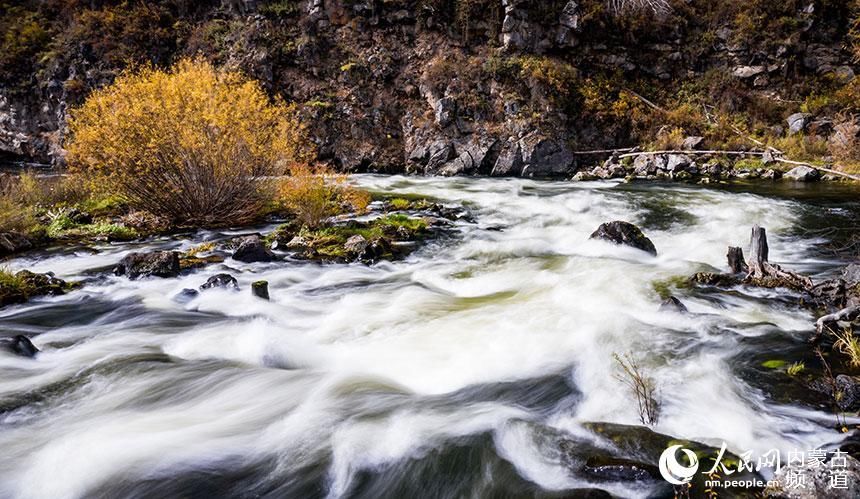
(758, 253)
(737, 264)
(765, 274)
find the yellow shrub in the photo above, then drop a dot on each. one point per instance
(315, 195)
(192, 144)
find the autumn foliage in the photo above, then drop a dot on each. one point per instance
(193, 144)
(313, 195)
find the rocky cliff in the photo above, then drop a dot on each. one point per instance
(497, 87)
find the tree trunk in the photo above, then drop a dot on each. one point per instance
(737, 264)
(758, 253)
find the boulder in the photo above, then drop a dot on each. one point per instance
(152, 264)
(29, 284)
(544, 157)
(220, 281)
(19, 345)
(251, 249)
(798, 122)
(355, 245)
(260, 289)
(802, 174)
(692, 142)
(12, 242)
(510, 161)
(677, 162)
(626, 234)
(816, 483)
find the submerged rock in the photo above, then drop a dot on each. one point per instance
(220, 281)
(673, 304)
(186, 295)
(626, 234)
(19, 345)
(153, 264)
(251, 249)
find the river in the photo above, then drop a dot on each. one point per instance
(453, 373)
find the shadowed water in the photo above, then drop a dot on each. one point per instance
(454, 373)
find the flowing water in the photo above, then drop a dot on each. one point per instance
(454, 373)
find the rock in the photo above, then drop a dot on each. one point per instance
(297, 243)
(251, 249)
(797, 122)
(817, 484)
(12, 242)
(43, 284)
(851, 274)
(376, 249)
(617, 469)
(715, 279)
(677, 162)
(152, 264)
(569, 17)
(509, 162)
(544, 157)
(583, 176)
(30, 284)
(802, 174)
(260, 289)
(830, 294)
(768, 157)
(744, 72)
(355, 245)
(19, 345)
(847, 387)
(446, 111)
(771, 174)
(186, 295)
(220, 281)
(692, 142)
(624, 233)
(673, 304)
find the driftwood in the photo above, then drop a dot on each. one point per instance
(830, 322)
(737, 264)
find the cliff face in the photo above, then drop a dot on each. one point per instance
(501, 87)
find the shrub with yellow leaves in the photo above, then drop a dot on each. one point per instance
(313, 195)
(193, 144)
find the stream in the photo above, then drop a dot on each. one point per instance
(457, 372)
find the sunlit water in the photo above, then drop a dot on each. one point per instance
(440, 375)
